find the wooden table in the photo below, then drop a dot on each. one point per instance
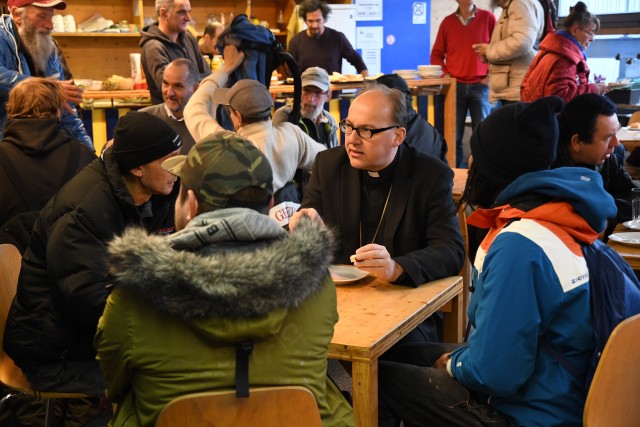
(631, 254)
(630, 139)
(459, 181)
(374, 315)
(419, 87)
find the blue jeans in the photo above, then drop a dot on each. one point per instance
(472, 98)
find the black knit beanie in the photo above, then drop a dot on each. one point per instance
(394, 81)
(140, 138)
(516, 139)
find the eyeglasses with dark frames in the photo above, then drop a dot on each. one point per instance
(364, 133)
(591, 34)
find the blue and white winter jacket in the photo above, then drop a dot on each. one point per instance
(14, 69)
(531, 280)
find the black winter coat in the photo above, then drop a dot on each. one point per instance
(424, 137)
(62, 288)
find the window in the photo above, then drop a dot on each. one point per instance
(616, 16)
(601, 7)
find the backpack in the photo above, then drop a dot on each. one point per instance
(550, 17)
(614, 296)
(263, 54)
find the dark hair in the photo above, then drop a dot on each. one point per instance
(580, 116)
(255, 198)
(579, 14)
(193, 76)
(211, 28)
(478, 191)
(309, 6)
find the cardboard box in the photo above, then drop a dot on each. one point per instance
(625, 96)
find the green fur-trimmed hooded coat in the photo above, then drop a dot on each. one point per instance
(180, 305)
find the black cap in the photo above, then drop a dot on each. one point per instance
(517, 139)
(394, 81)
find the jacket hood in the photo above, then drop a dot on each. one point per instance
(35, 136)
(562, 46)
(152, 32)
(579, 203)
(230, 273)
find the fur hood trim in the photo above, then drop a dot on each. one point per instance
(239, 284)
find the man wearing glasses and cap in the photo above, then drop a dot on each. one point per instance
(316, 122)
(27, 49)
(390, 204)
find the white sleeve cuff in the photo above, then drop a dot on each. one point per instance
(449, 368)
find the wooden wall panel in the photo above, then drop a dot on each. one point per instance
(99, 57)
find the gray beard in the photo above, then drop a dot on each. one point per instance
(39, 46)
(313, 116)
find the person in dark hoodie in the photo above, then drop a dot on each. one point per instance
(231, 278)
(37, 156)
(63, 283)
(420, 133)
(166, 40)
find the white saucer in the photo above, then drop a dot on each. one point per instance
(629, 239)
(631, 225)
(343, 274)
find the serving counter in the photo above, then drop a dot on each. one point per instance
(123, 101)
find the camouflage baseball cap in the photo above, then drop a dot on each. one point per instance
(221, 165)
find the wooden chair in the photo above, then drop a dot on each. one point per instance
(467, 268)
(612, 398)
(290, 406)
(11, 376)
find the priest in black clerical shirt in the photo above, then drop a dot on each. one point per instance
(391, 205)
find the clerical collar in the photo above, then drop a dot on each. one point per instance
(386, 172)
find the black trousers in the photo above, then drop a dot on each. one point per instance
(412, 391)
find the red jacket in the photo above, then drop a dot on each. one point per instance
(559, 69)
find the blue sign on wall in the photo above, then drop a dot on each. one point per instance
(406, 34)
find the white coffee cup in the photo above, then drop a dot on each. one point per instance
(69, 24)
(58, 23)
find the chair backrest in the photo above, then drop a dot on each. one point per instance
(612, 398)
(467, 268)
(635, 117)
(291, 406)
(10, 260)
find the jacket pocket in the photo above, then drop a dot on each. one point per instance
(499, 77)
